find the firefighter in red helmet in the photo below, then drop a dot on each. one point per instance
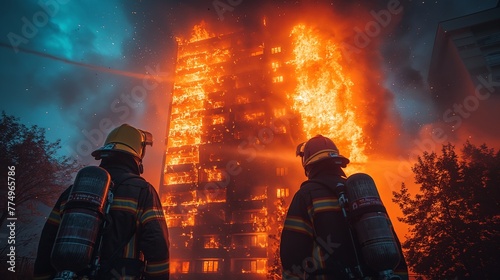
(316, 242)
(135, 241)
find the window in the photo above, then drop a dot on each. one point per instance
(180, 220)
(259, 240)
(210, 266)
(249, 216)
(217, 119)
(213, 175)
(279, 112)
(253, 266)
(281, 171)
(275, 66)
(256, 53)
(282, 192)
(180, 178)
(276, 50)
(185, 267)
(249, 240)
(210, 242)
(179, 267)
(278, 79)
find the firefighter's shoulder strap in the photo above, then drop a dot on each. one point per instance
(337, 186)
(118, 181)
(330, 185)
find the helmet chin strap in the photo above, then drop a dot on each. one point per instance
(140, 167)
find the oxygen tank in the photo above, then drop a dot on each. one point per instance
(82, 219)
(372, 225)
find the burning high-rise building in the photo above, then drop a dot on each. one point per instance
(224, 174)
(241, 103)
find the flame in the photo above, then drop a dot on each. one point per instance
(211, 242)
(194, 70)
(200, 32)
(214, 174)
(323, 96)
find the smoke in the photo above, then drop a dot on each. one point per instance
(95, 68)
(407, 57)
(92, 65)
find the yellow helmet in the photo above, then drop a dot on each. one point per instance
(319, 148)
(125, 139)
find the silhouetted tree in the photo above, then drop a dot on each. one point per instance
(454, 219)
(274, 269)
(40, 174)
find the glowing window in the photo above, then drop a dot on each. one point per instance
(278, 79)
(279, 112)
(283, 192)
(259, 240)
(180, 178)
(248, 216)
(180, 220)
(281, 171)
(276, 50)
(256, 53)
(249, 240)
(253, 266)
(185, 267)
(210, 266)
(218, 119)
(213, 175)
(210, 242)
(275, 66)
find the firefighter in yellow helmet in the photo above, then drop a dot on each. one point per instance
(316, 242)
(127, 140)
(135, 241)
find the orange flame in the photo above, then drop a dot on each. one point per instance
(323, 96)
(193, 80)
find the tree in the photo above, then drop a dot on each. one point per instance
(274, 270)
(454, 219)
(40, 174)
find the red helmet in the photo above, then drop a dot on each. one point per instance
(319, 148)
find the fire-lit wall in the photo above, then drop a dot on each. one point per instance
(226, 174)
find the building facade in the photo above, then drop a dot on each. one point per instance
(227, 173)
(466, 53)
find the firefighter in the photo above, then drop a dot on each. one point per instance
(135, 241)
(316, 242)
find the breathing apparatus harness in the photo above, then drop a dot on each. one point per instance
(363, 212)
(73, 252)
(362, 209)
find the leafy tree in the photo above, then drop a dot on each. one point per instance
(454, 219)
(40, 174)
(274, 270)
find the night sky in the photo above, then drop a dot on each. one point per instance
(71, 66)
